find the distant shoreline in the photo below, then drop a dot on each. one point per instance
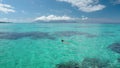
(81, 22)
(5, 22)
(63, 22)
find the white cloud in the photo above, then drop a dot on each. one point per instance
(84, 18)
(6, 8)
(85, 5)
(53, 18)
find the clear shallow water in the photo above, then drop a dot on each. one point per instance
(39, 45)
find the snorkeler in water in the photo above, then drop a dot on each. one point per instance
(63, 41)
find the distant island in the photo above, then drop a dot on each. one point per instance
(56, 21)
(4, 22)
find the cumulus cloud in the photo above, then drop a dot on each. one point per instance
(6, 8)
(84, 18)
(85, 5)
(53, 18)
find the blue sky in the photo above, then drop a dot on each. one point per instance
(28, 10)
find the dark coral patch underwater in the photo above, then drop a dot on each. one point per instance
(73, 33)
(94, 63)
(32, 35)
(70, 64)
(115, 47)
(87, 63)
(42, 35)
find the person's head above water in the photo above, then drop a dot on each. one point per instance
(62, 40)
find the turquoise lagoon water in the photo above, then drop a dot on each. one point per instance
(38, 45)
